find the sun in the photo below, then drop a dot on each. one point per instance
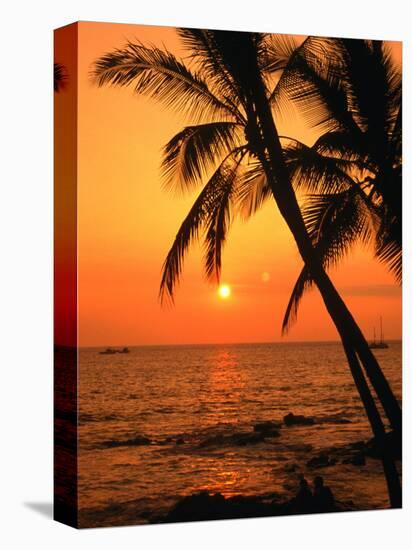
(224, 291)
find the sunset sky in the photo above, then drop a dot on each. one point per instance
(127, 222)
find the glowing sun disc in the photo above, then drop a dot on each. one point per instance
(224, 291)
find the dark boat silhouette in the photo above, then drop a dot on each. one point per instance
(381, 344)
(111, 351)
(108, 351)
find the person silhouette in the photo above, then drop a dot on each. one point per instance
(323, 498)
(304, 498)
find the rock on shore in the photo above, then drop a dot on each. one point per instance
(298, 420)
(205, 506)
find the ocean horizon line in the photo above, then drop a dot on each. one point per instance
(212, 344)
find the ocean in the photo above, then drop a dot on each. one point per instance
(163, 422)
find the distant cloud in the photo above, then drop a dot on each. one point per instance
(371, 290)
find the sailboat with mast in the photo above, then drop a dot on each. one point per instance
(381, 344)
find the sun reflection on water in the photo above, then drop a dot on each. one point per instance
(224, 372)
(223, 477)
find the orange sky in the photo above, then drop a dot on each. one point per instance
(126, 224)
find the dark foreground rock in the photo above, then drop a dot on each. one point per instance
(321, 461)
(238, 439)
(133, 442)
(269, 429)
(298, 420)
(358, 453)
(348, 454)
(204, 506)
(292, 419)
(357, 459)
(332, 419)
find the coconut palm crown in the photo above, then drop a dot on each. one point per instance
(351, 175)
(350, 90)
(218, 149)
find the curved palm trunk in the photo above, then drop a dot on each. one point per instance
(352, 338)
(287, 203)
(345, 323)
(378, 429)
(351, 335)
(340, 314)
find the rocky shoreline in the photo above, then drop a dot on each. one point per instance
(204, 506)
(355, 453)
(210, 505)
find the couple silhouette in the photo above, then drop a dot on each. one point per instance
(320, 499)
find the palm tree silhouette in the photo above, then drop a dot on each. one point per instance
(227, 84)
(354, 169)
(59, 77)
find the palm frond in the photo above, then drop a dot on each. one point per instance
(394, 103)
(219, 221)
(314, 172)
(303, 283)
(395, 145)
(335, 223)
(278, 50)
(320, 98)
(197, 219)
(361, 72)
(389, 252)
(236, 53)
(59, 77)
(388, 249)
(374, 85)
(158, 73)
(343, 145)
(365, 72)
(253, 190)
(194, 150)
(278, 97)
(312, 82)
(204, 51)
